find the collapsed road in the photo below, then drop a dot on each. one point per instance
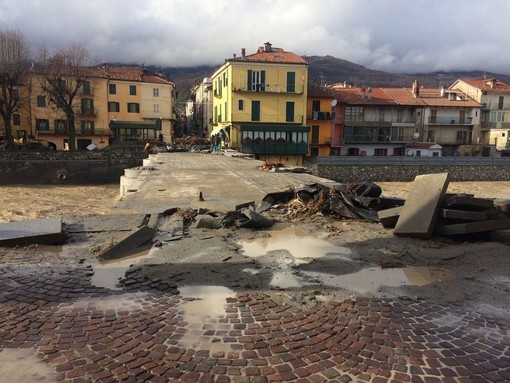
(208, 291)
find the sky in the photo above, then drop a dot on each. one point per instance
(399, 36)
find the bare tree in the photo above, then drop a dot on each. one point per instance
(63, 75)
(14, 54)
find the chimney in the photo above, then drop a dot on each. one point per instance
(416, 89)
(243, 52)
(363, 93)
(369, 93)
(267, 47)
(234, 55)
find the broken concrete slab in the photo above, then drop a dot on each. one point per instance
(421, 209)
(45, 231)
(389, 217)
(137, 241)
(473, 227)
(467, 215)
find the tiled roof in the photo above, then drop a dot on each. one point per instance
(320, 91)
(274, 55)
(134, 74)
(487, 84)
(400, 96)
(371, 96)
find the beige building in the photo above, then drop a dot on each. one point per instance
(115, 105)
(494, 99)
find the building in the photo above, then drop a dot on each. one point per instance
(115, 105)
(382, 121)
(494, 99)
(259, 105)
(318, 118)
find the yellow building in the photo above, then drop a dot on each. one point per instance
(318, 117)
(115, 105)
(259, 105)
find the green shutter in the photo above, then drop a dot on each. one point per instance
(255, 110)
(263, 80)
(289, 111)
(291, 82)
(249, 79)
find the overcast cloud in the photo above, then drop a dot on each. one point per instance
(406, 36)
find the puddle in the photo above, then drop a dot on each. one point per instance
(22, 365)
(202, 315)
(108, 273)
(285, 280)
(369, 280)
(301, 246)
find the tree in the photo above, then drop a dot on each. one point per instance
(14, 54)
(63, 75)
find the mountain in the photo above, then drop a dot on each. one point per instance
(332, 70)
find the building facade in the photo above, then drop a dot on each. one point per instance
(382, 121)
(259, 105)
(318, 118)
(115, 105)
(494, 99)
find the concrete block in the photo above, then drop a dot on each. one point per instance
(421, 209)
(46, 231)
(389, 217)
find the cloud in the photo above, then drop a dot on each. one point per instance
(392, 35)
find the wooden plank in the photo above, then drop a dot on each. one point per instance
(389, 217)
(464, 215)
(421, 209)
(473, 227)
(459, 200)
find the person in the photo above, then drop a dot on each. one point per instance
(161, 137)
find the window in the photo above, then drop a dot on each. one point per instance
(87, 106)
(112, 88)
(155, 92)
(42, 124)
(224, 79)
(289, 111)
(113, 106)
(41, 101)
(255, 110)
(240, 104)
(354, 113)
(156, 108)
(132, 90)
(501, 102)
(133, 107)
(87, 127)
(15, 94)
(381, 115)
(16, 119)
(316, 105)
(61, 127)
(430, 137)
(418, 153)
(21, 134)
(291, 82)
(256, 80)
(315, 134)
(400, 115)
(381, 152)
(86, 87)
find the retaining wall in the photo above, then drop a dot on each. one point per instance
(59, 167)
(462, 169)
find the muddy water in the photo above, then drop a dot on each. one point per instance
(369, 280)
(202, 309)
(22, 365)
(108, 273)
(301, 246)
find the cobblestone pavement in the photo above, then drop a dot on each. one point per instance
(83, 333)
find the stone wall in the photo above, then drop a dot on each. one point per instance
(402, 173)
(59, 167)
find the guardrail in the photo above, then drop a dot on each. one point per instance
(410, 160)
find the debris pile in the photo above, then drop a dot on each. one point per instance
(268, 166)
(429, 211)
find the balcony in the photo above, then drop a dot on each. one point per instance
(320, 116)
(374, 139)
(88, 112)
(270, 88)
(450, 121)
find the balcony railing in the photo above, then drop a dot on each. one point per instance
(358, 138)
(320, 116)
(89, 112)
(269, 88)
(361, 119)
(450, 120)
